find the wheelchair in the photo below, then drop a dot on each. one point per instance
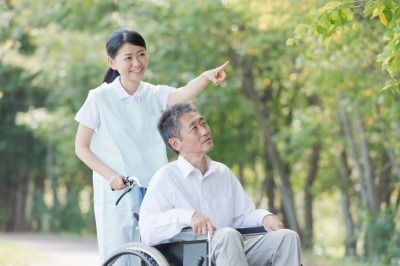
(179, 253)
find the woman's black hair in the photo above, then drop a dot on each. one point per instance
(116, 40)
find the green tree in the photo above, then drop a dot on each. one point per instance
(339, 17)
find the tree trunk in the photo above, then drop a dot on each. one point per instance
(308, 196)
(392, 158)
(54, 223)
(20, 204)
(368, 166)
(348, 136)
(38, 205)
(385, 187)
(269, 185)
(350, 240)
(248, 88)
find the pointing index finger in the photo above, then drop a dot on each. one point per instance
(224, 65)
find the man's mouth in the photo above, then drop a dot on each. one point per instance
(207, 140)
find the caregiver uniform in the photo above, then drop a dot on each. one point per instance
(126, 139)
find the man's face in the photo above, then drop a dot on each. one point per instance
(195, 135)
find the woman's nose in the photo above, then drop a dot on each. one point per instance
(135, 61)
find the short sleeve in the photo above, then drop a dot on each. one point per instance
(88, 115)
(162, 95)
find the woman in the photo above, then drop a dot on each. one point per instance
(117, 134)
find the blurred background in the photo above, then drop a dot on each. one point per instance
(308, 119)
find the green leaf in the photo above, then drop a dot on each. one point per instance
(375, 13)
(336, 19)
(301, 30)
(370, 8)
(290, 41)
(321, 30)
(342, 16)
(333, 4)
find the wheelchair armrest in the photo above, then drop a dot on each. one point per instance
(187, 229)
(244, 231)
(252, 230)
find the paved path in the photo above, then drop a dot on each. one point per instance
(63, 250)
(56, 250)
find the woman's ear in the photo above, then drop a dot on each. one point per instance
(175, 143)
(111, 62)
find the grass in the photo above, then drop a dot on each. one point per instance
(17, 255)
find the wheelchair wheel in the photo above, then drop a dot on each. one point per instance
(149, 256)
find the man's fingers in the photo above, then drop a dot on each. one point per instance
(201, 224)
(211, 229)
(204, 229)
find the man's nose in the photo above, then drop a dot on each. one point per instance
(203, 130)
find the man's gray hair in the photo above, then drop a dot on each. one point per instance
(169, 125)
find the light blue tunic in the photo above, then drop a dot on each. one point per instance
(127, 140)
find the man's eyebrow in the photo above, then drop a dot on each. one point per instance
(200, 119)
(192, 124)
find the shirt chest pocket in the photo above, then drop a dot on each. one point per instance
(221, 211)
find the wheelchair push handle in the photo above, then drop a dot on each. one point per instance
(130, 182)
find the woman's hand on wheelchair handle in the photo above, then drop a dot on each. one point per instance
(272, 223)
(202, 225)
(117, 182)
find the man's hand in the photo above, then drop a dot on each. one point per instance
(272, 223)
(201, 224)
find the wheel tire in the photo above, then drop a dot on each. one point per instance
(149, 255)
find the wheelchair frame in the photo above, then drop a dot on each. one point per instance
(179, 253)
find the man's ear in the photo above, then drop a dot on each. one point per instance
(175, 143)
(111, 62)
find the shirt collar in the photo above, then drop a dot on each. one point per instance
(187, 168)
(121, 92)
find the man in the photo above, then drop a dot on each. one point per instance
(198, 192)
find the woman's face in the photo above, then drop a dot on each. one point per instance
(131, 62)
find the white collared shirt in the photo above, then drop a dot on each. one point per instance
(178, 190)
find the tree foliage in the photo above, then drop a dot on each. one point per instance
(337, 18)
